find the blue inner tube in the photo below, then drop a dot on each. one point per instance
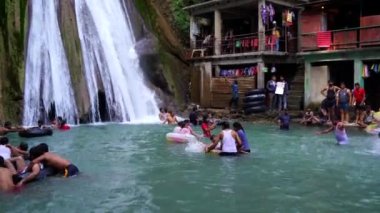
(253, 98)
(255, 92)
(253, 110)
(35, 132)
(253, 104)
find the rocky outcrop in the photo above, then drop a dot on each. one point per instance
(13, 30)
(165, 67)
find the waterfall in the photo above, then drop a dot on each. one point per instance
(47, 78)
(111, 63)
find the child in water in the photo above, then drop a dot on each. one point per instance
(340, 133)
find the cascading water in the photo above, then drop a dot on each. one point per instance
(47, 79)
(111, 63)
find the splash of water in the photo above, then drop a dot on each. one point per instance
(47, 77)
(111, 63)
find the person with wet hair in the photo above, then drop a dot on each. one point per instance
(229, 139)
(243, 137)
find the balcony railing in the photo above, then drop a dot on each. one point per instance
(247, 43)
(352, 38)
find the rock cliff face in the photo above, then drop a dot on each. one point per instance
(13, 30)
(159, 49)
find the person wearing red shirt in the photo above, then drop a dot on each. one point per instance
(207, 127)
(359, 102)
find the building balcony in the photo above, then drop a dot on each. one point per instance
(241, 45)
(344, 39)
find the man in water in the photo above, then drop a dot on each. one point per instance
(162, 115)
(6, 181)
(284, 120)
(230, 141)
(193, 117)
(58, 163)
(35, 171)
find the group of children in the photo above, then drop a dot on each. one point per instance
(19, 167)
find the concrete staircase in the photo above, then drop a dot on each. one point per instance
(296, 92)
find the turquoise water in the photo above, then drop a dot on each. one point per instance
(131, 168)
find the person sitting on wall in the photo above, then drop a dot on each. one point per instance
(309, 118)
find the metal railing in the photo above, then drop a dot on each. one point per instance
(350, 38)
(245, 43)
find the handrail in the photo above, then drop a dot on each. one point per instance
(343, 30)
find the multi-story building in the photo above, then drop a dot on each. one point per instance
(308, 42)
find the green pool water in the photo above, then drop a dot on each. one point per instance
(131, 168)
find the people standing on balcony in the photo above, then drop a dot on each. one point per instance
(271, 88)
(359, 102)
(343, 102)
(228, 42)
(330, 93)
(275, 37)
(282, 90)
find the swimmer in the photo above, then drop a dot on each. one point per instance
(230, 141)
(243, 137)
(21, 150)
(340, 133)
(178, 128)
(35, 171)
(9, 128)
(58, 163)
(6, 180)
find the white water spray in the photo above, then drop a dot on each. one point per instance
(111, 63)
(47, 76)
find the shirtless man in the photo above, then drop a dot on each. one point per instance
(35, 171)
(6, 181)
(58, 163)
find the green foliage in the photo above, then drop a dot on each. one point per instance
(181, 17)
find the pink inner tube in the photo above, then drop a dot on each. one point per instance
(178, 137)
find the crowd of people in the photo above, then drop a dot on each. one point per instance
(20, 166)
(228, 142)
(337, 105)
(58, 123)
